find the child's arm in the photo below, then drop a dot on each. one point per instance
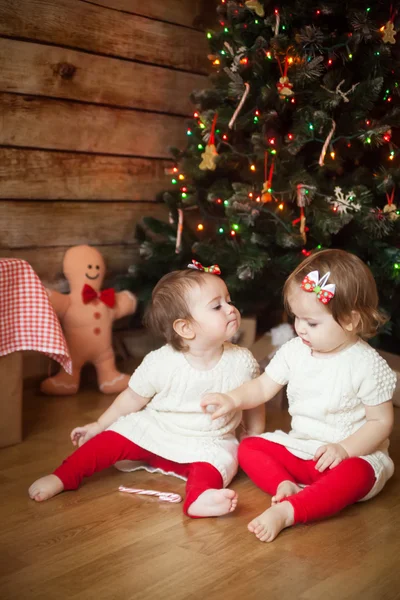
(364, 441)
(125, 403)
(249, 395)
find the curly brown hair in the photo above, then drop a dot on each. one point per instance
(355, 288)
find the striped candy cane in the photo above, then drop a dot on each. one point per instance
(163, 496)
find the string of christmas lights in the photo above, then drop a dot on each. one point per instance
(369, 136)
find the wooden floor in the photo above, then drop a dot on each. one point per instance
(102, 544)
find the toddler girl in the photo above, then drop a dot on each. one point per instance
(158, 418)
(339, 392)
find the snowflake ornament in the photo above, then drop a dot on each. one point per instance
(241, 53)
(342, 203)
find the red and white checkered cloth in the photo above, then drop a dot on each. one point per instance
(27, 319)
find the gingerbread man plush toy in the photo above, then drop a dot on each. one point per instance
(86, 315)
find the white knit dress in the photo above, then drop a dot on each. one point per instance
(327, 397)
(173, 425)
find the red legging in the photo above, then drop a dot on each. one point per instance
(108, 447)
(268, 464)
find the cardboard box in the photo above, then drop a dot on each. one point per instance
(11, 399)
(135, 343)
(246, 335)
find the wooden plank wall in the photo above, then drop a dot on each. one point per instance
(92, 95)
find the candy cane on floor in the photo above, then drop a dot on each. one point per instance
(163, 496)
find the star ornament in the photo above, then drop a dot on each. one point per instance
(389, 33)
(209, 156)
(256, 6)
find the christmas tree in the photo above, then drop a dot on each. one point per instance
(290, 150)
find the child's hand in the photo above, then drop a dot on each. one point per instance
(329, 456)
(223, 403)
(80, 435)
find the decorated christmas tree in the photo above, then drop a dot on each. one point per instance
(290, 150)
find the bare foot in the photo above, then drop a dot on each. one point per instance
(214, 503)
(285, 489)
(271, 522)
(45, 488)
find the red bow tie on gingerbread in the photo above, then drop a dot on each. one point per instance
(106, 296)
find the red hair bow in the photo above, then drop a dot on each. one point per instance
(313, 283)
(106, 296)
(214, 269)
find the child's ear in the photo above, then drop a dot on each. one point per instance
(352, 322)
(184, 329)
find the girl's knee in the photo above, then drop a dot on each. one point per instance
(248, 446)
(356, 474)
(359, 468)
(356, 464)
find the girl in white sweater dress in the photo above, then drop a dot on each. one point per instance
(158, 419)
(339, 392)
